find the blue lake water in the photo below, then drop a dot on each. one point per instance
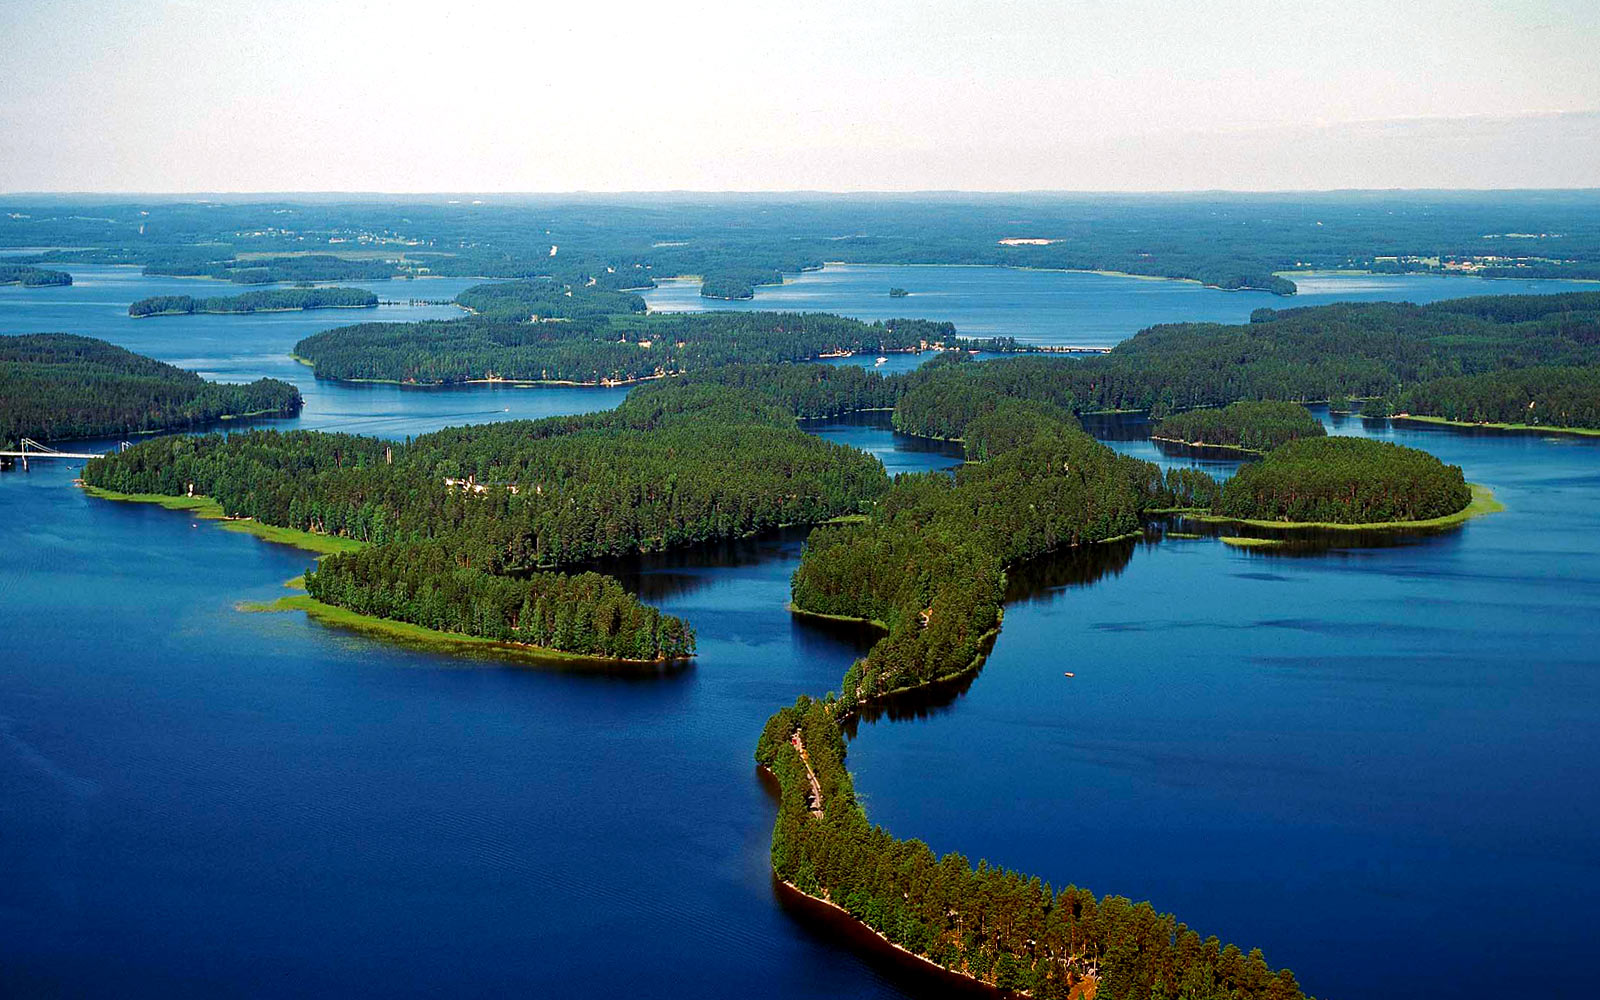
(1379, 765)
(1066, 307)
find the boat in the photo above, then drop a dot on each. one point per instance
(881, 361)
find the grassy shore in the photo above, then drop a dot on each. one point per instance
(1241, 542)
(427, 639)
(1537, 428)
(1483, 502)
(208, 509)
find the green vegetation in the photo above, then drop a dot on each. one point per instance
(461, 522)
(1339, 480)
(1483, 502)
(1543, 398)
(423, 583)
(929, 566)
(1248, 426)
(32, 277)
(273, 300)
(208, 509)
(56, 386)
(409, 635)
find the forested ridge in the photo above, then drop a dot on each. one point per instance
(456, 514)
(929, 566)
(58, 386)
(1342, 480)
(248, 302)
(1251, 426)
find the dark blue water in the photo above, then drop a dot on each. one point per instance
(1067, 307)
(1379, 765)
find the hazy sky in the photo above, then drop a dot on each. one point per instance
(858, 95)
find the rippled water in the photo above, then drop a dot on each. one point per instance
(1379, 765)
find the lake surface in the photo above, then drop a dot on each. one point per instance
(1378, 765)
(1074, 308)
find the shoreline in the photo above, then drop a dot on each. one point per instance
(1490, 425)
(413, 636)
(247, 312)
(1208, 444)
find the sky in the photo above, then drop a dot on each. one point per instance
(900, 95)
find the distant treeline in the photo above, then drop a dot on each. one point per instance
(1560, 396)
(23, 274)
(268, 270)
(1252, 426)
(57, 386)
(249, 302)
(1342, 480)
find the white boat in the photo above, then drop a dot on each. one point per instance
(881, 361)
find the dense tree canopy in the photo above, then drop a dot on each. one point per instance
(1252, 426)
(56, 386)
(266, 300)
(1342, 480)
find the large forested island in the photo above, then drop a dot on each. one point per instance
(56, 387)
(544, 331)
(272, 300)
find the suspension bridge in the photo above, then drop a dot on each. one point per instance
(31, 449)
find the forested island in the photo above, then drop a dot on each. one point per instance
(1344, 481)
(1245, 426)
(592, 348)
(32, 277)
(57, 387)
(272, 300)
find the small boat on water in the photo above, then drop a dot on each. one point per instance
(1069, 674)
(881, 361)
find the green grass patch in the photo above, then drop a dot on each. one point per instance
(208, 509)
(1241, 542)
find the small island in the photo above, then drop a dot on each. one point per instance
(898, 293)
(1244, 426)
(1345, 482)
(1556, 399)
(32, 277)
(271, 300)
